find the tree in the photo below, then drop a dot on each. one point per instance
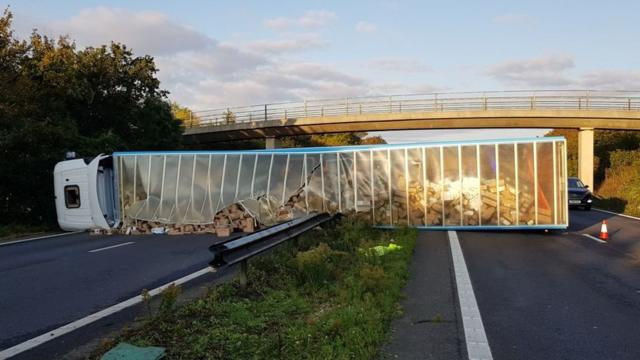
(55, 97)
(185, 115)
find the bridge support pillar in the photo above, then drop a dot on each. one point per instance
(270, 142)
(585, 156)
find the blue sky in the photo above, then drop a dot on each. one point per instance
(218, 53)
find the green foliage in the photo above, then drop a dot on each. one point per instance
(318, 265)
(306, 300)
(340, 139)
(617, 167)
(184, 114)
(55, 97)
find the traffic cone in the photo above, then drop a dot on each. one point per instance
(604, 234)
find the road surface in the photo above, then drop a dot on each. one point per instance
(557, 295)
(541, 295)
(47, 283)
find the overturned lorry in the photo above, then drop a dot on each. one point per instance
(488, 184)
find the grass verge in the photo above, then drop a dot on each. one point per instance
(10, 231)
(329, 295)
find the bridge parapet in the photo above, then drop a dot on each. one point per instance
(267, 114)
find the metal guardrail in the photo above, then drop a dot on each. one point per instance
(237, 250)
(503, 100)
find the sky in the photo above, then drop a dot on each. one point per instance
(215, 54)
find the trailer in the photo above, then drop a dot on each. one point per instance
(486, 184)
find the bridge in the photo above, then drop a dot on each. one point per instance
(584, 110)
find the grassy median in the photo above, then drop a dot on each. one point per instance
(329, 295)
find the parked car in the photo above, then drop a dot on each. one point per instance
(579, 194)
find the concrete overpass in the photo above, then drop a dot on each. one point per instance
(584, 110)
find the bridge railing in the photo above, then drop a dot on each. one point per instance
(505, 100)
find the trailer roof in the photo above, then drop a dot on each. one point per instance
(325, 149)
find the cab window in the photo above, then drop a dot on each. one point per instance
(72, 196)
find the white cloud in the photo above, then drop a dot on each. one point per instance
(365, 27)
(311, 18)
(556, 71)
(611, 80)
(542, 71)
(147, 32)
(512, 19)
(279, 46)
(399, 65)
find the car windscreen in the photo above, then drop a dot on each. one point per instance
(575, 183)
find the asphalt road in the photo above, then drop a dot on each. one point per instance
(50, 282)
(556, 295)
(559, 295)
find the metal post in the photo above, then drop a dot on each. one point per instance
(555, 186)
(497, 183)
(339, 185)
(265, 112)
(306, 183)
(284, 183)
(269, 175)
(442, 184)
(121, 171)
(565, 209)
(372, 198)
(224, 170)
(209, 187)
(424, 183)
(479, 174)
(135, 176)
(242, 274)
(460, 180)
(324, 198)
(193, 180)
(253, 177)
(178, 182)
(406, 182)
(389, 186)
(235, 196)
(535, 180)
(164, 167)
(354, 181)
(517, 175)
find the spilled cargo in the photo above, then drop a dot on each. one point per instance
(488, 184)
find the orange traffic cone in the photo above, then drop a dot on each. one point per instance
(604, 234)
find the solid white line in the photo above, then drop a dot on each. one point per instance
(39, 340)
(39, 238)
(474, 335)
(618, 214)
(594, 238)
(111, 247)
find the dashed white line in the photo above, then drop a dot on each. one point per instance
(39, 340)
(475, 337)
(594, 238)
(111, 247)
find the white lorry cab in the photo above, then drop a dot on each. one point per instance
(85, 194)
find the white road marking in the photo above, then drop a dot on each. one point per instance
(475, 337)
(594, 238)
(111, 247)
(39, 238)
(618, 214)
(39, 340)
